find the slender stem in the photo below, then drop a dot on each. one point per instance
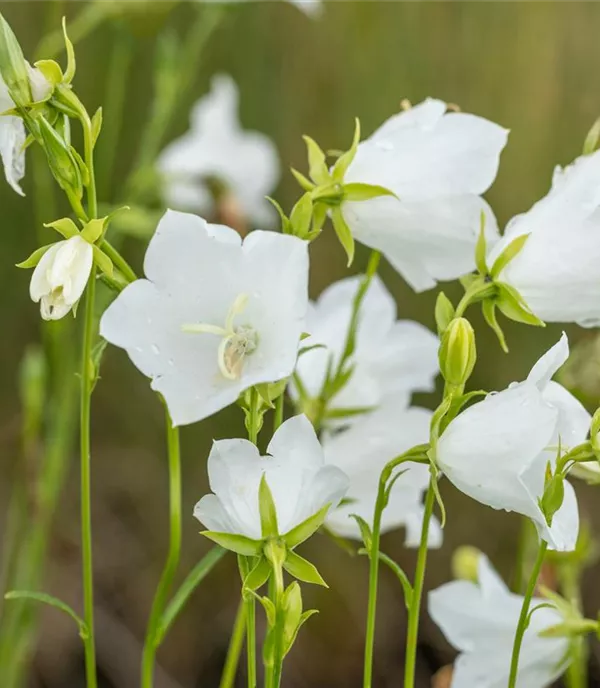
(570, 582)
(415, 605)
(250, 614)
(235, 648)
(373, 577)
(522, 625)
(160, 598)
(87, 375)
(119, 261)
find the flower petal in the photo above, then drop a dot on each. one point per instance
(12, 150)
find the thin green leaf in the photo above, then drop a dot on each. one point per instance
(344, 161)
(71, 64)
(303, 570)
(52, 602)
(305, 183)
(365, 531)
(35, 257)
(488, 308)
(97, 120)
(365, 192)
(343, 233)
(285, 223)
(407, 588)
(304, 617)
(235, 543)
(187, 589)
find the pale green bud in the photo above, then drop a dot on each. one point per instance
(465, 563)
(13, 66)
(457, 353)
(61, 160)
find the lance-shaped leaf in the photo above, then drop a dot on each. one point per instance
(365, 192)
(343, 233)
(259, 575)
(35, 257)
(317, 166)
(97, 120)
(344, 161)
(488, 308)
(303, 570)
(70, 50)
(286, 225)
(305, 183)
(240, 544)
(267, 509)
(52, 602)
(512, 250)
(304, 530)
(365, 531)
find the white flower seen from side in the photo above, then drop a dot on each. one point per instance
(12, 129)
(437, 164)
(362, 451)
(215, 316)
(556, 271)
(217, 149)
(497, 451)
(294, 469)
(60, 277)
(391, 356)
(479, 620)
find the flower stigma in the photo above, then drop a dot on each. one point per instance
(237, 341)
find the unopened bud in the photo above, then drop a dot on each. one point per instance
(60, 159)
(13, 66)
(457, 353)
(465, 563)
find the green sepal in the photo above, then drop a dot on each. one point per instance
(349, 412)
(267, 604)
(343, 162)
(240, 544)
(267, 509)
(365, 192)
(444, 312)
(103, 261)
(52, 602)
(488, 308)
(365, 531)
(258, 576)
(592, 138)
(458, 402)
(93, 230)
(304, 530)
(480, 247)
(65, 227)
(553, 497)
(51, 71)
(343, 233)
(305, 183)
(286, 225)
(35, 257)
(467, 280)
(317, 166)
(270, 391)
(83, 168)
(97, 120)
(511, 251)
(303, 570)
(511, 304)
(70, 50)
(319, 216)
(301, 215)
(13, 67)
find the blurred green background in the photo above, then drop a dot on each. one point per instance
(532, 67)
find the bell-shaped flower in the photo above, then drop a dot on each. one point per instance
(12, 129)
(301, 484)
(437, 164)
(480, 620)
(362, 452)
(556, 270)
(215, 316)
(60, 277)
(498, 450)
(218, 156)
(391, 356)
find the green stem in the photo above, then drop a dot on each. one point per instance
(415, 605)
(373, 578)
(87, 375)
(235, 648)
(577, 672)
(152, 639)
(250, 614)
(274, 672)
(119, 261)
(522, 625)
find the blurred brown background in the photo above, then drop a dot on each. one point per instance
(532, 67)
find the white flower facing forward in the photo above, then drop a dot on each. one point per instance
(294, 469)
(12, 129)
(218, 149)
(556, 272)
(362, 451)
(214, 316)
(497, 451)
(391, 356)
(60, 277)
(437, 164)
(479, 620)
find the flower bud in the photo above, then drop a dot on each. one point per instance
(457, 353)
(465, 563)
(61, 276)
(61, 159)
(595, 431)
(13, 66)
